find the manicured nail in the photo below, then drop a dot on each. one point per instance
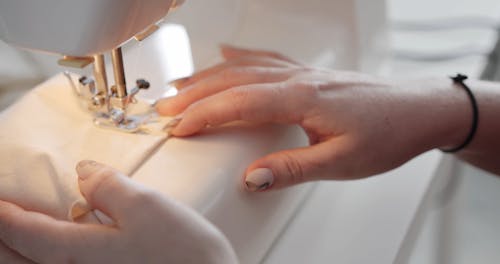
(156, 102)
(172, 123)
(85, 168)
(178, 82)
(259, 179)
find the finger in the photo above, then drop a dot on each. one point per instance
(290, 167)
(108, 190)
(230, 52)
(26, 232)
(177, 3)
(8, 255)
(258, 103)
(242, 61)
(43, 239)
(230, 77)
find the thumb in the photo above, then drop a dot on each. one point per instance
(106, 189)
(290, 167)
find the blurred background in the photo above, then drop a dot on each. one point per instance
(441, 37)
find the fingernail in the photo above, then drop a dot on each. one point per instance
(85, 168)
(172, 123)
(156, 102)
(259, 179)
(178, 82)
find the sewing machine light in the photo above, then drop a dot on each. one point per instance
(146, 33)
(75, 62)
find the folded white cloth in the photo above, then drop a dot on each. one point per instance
(44, 135)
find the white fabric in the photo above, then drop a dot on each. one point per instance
(44, 135)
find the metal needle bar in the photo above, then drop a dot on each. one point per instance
(117, 60)
(100, 74)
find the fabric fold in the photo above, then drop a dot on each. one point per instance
(42, 138)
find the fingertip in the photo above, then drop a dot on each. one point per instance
(264, 175)
(171, 106)
(184, 129)
(282, 169)
(87, 168)
(259, 179)
(190, 122)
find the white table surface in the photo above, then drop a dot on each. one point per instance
(359, 221)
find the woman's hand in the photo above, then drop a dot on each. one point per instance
(357, 125)
(150, 228)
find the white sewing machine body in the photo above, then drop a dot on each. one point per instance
(205, 171)
(77, 28)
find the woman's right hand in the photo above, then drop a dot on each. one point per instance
(358, 125)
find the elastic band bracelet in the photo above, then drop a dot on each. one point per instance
(459, 80)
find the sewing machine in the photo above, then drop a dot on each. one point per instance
(204, 171)
(71, 29)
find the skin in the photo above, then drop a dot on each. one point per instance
(358, 126)
(149, 228)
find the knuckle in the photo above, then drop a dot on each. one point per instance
(293, 168)
(345, 164)
(201, 114)
(231, 72)
(104, 183)
(304, 87)
(238, 98)
(143, 197)
(306, 94)
(238, 95)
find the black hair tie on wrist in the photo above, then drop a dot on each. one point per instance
(459, 80)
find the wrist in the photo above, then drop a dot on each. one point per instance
(455, 117)
(458, 80)
(446, 113)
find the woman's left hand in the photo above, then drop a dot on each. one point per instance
(149, 228)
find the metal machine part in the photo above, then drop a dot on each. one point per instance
(116, 116)
(110, 105)
(120, 88)
(100, 74)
